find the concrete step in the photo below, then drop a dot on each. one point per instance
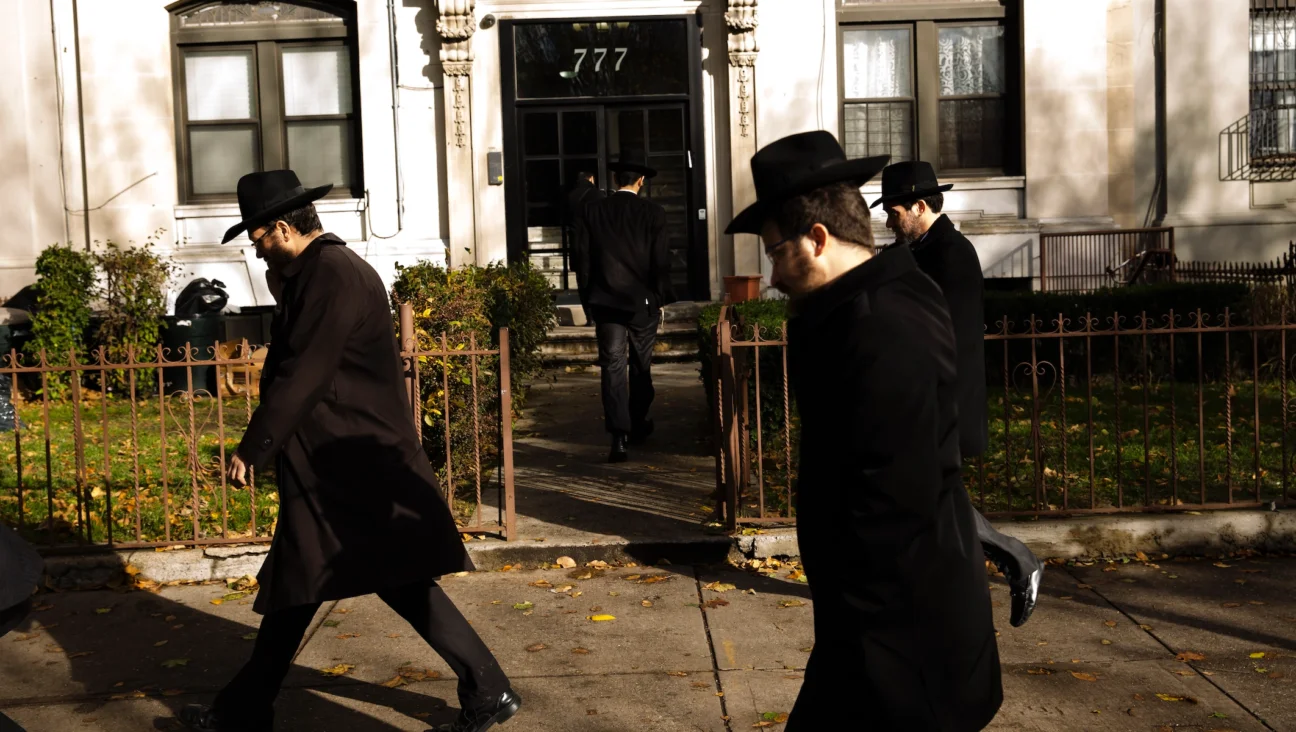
(570, 345)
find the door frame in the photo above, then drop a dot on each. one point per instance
(699, 259)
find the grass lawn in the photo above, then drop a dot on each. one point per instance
(1124, 473)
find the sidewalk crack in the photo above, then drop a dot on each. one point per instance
(715, 661)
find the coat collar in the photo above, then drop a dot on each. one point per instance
(883, 267)
(312, 250)
(939, 229)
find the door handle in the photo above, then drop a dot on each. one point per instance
(690, 158)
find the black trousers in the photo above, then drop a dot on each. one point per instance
(1004, 549)
(625, 343)
(249, 698)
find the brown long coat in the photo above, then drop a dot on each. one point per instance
(359, 506)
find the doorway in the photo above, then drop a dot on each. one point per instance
(577, 119)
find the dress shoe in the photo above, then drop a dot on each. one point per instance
(620, 449)
(1025, 592)
(479, 719)
(203, 718)
(641, 432)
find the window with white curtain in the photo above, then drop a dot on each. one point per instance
(1272, 121)
(933, 89)
(263, 86)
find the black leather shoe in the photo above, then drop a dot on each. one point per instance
(620, 449)
(483, 718)
(641, 431)
(203, 718)
(1025, 592)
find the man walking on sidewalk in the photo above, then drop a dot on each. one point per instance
(359, 507)
(626, 275)
(903, 632)
(913, 200)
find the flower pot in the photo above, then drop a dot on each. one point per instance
(741, 288)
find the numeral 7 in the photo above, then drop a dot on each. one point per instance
(621, 57)
(581, 52)
(601, 53)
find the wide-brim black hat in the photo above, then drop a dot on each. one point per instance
(633, 161)
(909, 181)
(264, 196)
(795, 165)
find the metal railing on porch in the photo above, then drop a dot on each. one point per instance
(1134, 414)
(115, 458)
(1079, 261)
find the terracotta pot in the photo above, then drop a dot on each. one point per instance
(741, 288)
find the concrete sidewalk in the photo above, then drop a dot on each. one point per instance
(1169, 645)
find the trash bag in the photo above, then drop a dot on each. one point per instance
(25, 299)
(200, 297)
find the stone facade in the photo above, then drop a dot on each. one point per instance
(90, 139)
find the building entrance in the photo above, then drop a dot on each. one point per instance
(578, 95)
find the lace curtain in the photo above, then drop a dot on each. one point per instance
(971, 60)
(1273, 84)
(878, 64)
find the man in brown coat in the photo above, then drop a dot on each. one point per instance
(359, 508)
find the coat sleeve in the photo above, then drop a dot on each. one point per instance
(661, 257)
(963, 285)
(316, 343)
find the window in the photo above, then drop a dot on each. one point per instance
(938, 88)
(264, 86)
(1272, 119)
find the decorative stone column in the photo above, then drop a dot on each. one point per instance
(456, 25)
(742, 19)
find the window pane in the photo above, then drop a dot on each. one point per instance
(971, 133)
(219, 85)
(219, 156)
(879, 128)
(540, 130)
(320, 152)
(971, 59)
(316, 80)
(1273, 47)
(666, 130)
(580, 133)
(878, 63)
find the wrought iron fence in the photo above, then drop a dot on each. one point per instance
(126, 460)
(1133, 414)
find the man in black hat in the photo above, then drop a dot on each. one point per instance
(626, 269)
(903, 630)
(359, 507)
(913, 200)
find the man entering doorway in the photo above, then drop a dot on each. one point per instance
(625, 269)
(913, 200)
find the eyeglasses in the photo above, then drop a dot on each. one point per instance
(770, 251)
(261, 238)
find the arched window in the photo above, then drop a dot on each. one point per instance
(264, 86)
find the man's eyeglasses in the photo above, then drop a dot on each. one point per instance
(772, 250)
(261, 238)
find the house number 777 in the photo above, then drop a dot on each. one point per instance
(599, 55)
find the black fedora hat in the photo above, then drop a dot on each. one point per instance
(263, 196)
(795, 165)
(909, 181)
(632, 160)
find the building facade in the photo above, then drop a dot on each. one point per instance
(451, 129)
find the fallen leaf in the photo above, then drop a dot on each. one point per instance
(394, 682)
(159, 644)
(332, 623)
(1106, 642)
(1231, 604)
(411, 673)
(716, 603)
(344, 636)
(102, 610)
(1186, 673)
(175, 662)
(565, 562)
(1187, 656)
(1140, 556)
(1258, 654)
(1084, 676)
(580, 651)
(1222, 565)
(597, 564)
(1145, 627)
(791, 603)
(602, 618)
(536, 647)
(679, 674)
(338, 670)
(217, 601)
(1110, 623)
(719, 587)
(523, 605)
(646, 603)
(1039, 672)
(539, 583)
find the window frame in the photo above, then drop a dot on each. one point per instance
(925, 22)
(912, 99)
(267, 42)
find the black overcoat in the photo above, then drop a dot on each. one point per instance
(627, 259)
(949, 258)
(359, 507)
(577, 234)
(903, 634)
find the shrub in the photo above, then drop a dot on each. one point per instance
(462, 303)
(134, 299)
(66, 280)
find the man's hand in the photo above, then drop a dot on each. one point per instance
(237, 472)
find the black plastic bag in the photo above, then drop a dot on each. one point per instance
(200, 297)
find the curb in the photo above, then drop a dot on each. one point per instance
(1215, 532)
